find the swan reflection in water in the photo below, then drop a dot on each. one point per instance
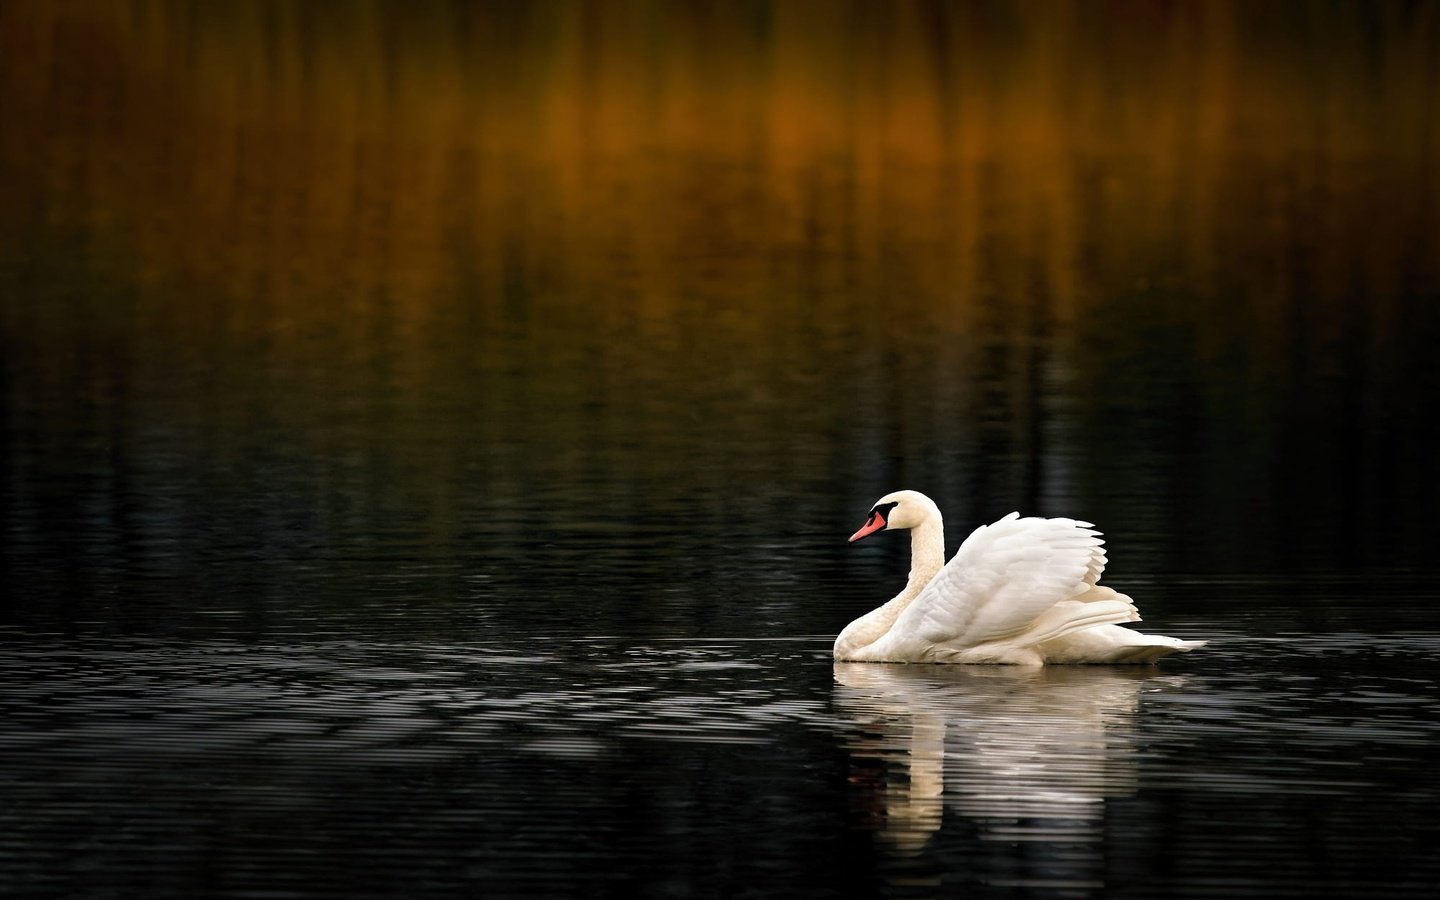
(1028, 755)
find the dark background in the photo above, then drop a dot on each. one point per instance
(298, 294)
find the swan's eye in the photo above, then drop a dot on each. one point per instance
(883, 511)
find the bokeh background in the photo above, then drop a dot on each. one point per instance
(351, 290)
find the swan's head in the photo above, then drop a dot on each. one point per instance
(902, 509)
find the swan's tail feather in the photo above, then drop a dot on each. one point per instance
(1087, 611)
(1112, 644)
(1149, 653)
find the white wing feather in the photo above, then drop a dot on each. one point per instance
(1004, 577)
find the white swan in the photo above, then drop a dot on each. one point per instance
(1017, 592)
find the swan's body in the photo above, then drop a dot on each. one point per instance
(1017, 592)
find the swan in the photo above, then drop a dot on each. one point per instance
(1020, 591)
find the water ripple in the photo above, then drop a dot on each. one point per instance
(928, 760)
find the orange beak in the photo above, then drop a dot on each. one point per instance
(872, 525)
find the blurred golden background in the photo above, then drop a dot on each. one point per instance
(323, 146)
(318, 268)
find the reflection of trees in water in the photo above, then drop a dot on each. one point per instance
(545, 264)
(972, 159)
(1027, 756)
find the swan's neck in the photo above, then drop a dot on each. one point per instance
(927, 556)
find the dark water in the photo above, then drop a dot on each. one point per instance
(430, 433)
(1295, 765)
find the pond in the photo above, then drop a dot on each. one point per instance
(430, 438)
(1287, 765)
